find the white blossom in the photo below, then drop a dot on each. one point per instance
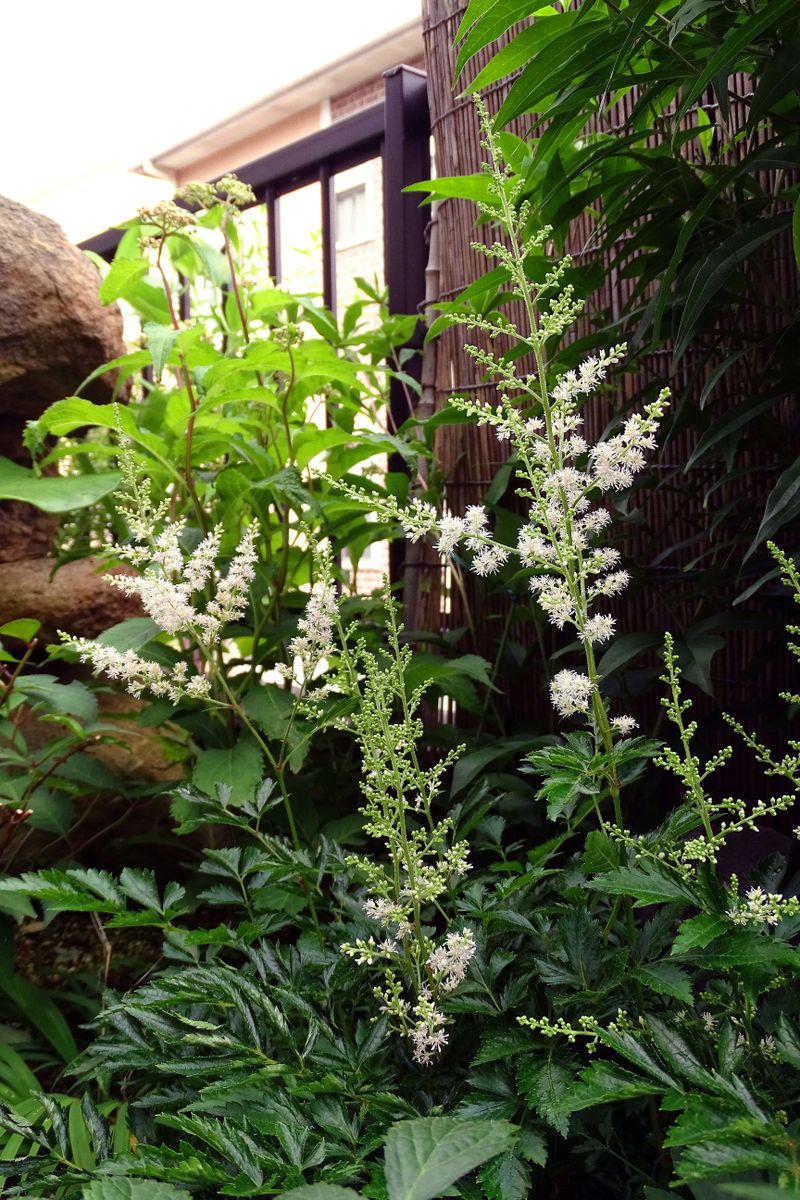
(200, 567)
(533, 548)
(166, 603)
(428, 1034)
(451, 530)
(139, 675)
(314, 642)
(489, 559)
(449, 961)
(624, 725)
(476, 521)
(757, 908)
(571, 692)
(230, 600)
(598, 629)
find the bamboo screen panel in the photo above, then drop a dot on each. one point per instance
(469, 458)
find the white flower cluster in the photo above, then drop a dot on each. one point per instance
(427, 1033)
(449, 962)
(169, 602)
(571, 692)
(561, 473)
(487, 556)
(314, 642)
(557, 539)
(386, 913)
(138, 675)
(422, 1021)
(760, 908)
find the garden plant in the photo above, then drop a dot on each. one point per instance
(388, 961)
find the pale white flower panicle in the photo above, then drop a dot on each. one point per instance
(419, 519)
(314, 642)
(427, 1034)
(169, 587)
(230, 601)
(598, 629)
(449, 962)
(138, 675)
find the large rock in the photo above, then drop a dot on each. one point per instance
(53, 329)
(74, 598)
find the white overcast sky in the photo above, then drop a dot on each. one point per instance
(91, 88)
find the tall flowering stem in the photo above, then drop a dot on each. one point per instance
(406, 890)
(561, 476)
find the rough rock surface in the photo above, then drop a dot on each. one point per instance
(75, 598)
(53, 329)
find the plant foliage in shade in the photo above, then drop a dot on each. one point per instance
(671, 134)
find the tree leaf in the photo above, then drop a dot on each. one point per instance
(121, 274)
(667, 979)
(23, 628)
(740, 37)
(507, 1177)
(425, 1156)
(239, 768)
(120, 1188)
(54, 493)
(712, 274)
(160, 340)
(783, 505)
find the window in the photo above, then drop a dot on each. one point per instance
(353, 224)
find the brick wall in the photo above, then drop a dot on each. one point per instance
(364, 94)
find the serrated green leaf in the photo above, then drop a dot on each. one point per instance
(544, 1080)
(140, 885)
(604, 1082)
(667, 979)
(698, 932)
(239, 768)
(121, 1188)
(507, 1177)
(320, 1191)
(647, 882)
(130, 634)
(505, 1043)
(73, 698)
(600, 853)
(425, 1156)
